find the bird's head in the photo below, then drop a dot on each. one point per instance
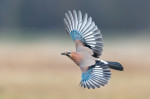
(76, 57)
(67, 53)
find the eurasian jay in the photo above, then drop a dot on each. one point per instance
(89, 46)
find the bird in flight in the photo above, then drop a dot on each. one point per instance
(89, 47)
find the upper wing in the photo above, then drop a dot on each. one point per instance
(84, 30)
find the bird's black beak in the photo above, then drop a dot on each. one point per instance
(63, 53)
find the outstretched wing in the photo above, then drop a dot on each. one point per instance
(85, 30)
(97, 75)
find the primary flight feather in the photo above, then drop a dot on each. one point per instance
(89, 46)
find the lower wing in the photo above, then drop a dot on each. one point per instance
(97, 75)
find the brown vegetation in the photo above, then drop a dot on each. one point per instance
(38, 71)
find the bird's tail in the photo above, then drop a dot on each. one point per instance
(115, 65)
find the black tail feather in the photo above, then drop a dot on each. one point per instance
(115, 65)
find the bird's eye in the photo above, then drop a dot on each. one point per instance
(69, 52)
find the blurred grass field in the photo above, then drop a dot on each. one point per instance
(32, 68)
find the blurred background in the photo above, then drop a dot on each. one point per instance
(32, 36)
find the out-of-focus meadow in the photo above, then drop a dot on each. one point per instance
(32, 68)
(32, 36)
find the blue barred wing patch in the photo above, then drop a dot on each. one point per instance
(75, 35)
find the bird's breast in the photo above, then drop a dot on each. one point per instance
(76, 57)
